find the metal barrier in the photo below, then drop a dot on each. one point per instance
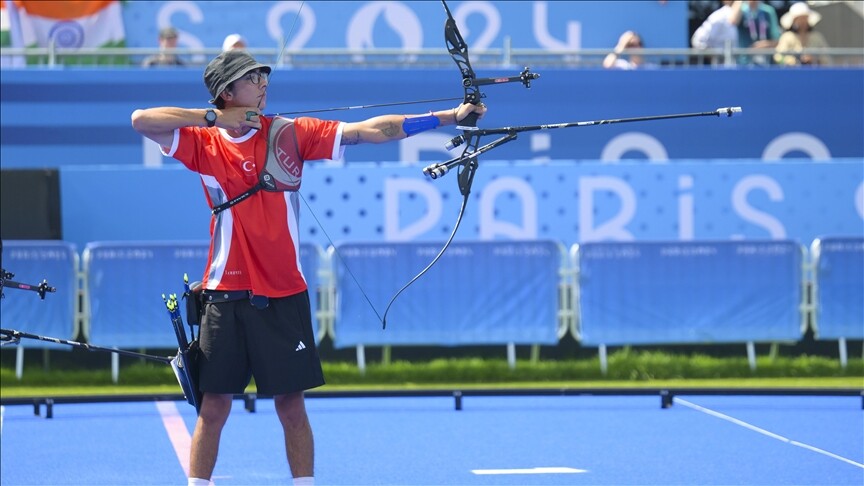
(838, 290)
(639, 293)
(506, 57)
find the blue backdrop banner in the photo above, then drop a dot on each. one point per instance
(57, 118)
(570, 202)
(408, 25)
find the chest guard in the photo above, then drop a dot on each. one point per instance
(283, 170)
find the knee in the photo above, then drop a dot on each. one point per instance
(290, 408)
(215, 408)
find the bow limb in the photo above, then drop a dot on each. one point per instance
(458, 50)
(467, 169)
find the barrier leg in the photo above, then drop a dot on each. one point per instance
(361, 359)
(19, 362)
(604, 364)
(843, 357)
(115, 367)
(751, 355)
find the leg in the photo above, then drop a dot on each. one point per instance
(299, 445)
(205, 441)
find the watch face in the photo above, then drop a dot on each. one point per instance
(210, 116)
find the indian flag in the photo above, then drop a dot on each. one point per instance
(70, 24)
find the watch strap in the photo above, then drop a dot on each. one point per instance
(210, 119)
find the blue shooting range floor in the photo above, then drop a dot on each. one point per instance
(573, 440)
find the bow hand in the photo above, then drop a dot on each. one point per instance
(467, 114)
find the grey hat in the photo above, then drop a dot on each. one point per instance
(168, 33)
(228, 67)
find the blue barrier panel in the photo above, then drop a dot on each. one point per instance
(689, 292)
(126, 281)
(33, 261)
(839, 284)
(310, 264)
(477, 293)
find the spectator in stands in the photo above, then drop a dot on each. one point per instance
(757, 28)
(166, 56)
(799, 22)
(719, 29)
(628, 40)
(233, 41)
(256, 320)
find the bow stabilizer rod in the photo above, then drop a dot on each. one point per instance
(11, 336)
(728, 111)
(455, 142)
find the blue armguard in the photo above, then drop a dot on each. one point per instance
(417, 124)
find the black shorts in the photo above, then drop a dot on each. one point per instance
(274, 344)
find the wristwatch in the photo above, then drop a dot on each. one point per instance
(210, 116)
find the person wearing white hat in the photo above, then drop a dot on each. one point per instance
(799, 37)
(233, 41)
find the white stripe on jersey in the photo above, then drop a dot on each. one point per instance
(292, 201)
(223, 232)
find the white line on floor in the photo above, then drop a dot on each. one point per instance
(177, 432)
(533, 470)
(765, 432)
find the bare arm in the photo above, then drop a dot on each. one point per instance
(158, 124)
(609, 60)
(735, 13)
(387, 128)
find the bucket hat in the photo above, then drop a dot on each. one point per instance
(228, 67)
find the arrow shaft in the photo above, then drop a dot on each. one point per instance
(362, 107)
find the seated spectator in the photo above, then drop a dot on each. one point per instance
(757, 28)
(628, 40)
(799, 22)
(718, 29)
(165, 57)
(233, 41)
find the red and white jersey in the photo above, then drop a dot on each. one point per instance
(254, 244)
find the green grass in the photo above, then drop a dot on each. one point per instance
(626, 368)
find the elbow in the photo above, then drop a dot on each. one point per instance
(137, 120)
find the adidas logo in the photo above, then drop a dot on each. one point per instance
(300, 346)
